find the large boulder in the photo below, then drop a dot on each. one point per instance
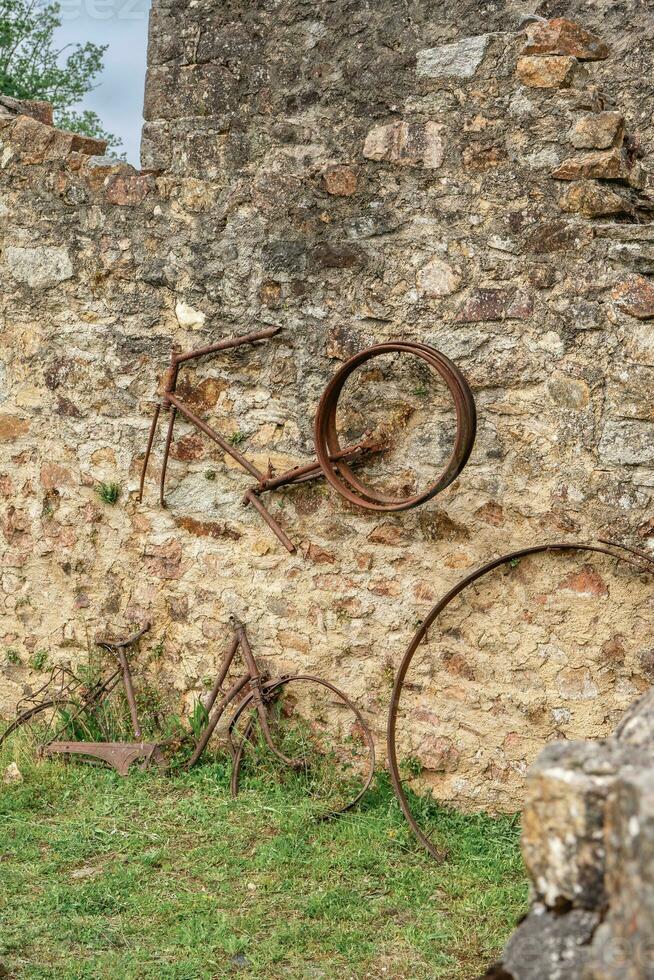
(588, 843)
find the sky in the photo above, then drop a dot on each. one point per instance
(118, 99)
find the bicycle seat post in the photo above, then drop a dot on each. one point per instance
(129, 692)
(119, 648)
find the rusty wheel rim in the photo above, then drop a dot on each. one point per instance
(271, 687)
(630, 556)
(342, 477)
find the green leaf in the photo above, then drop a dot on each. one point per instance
(33, 67)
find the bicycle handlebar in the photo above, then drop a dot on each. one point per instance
(121, 644)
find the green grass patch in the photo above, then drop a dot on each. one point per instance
(168, 877)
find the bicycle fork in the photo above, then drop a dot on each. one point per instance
(256, 688)
(256, 695)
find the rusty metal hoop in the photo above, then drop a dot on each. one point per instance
(272, 687)
(645, 563)
(31, 713)
(30, 708)
(341, 476)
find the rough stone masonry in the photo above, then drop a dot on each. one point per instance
(470, 175)
(588, 843)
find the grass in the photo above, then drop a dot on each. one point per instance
(167, 877)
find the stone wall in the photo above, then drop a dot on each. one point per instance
(588, 842)
(353, 172)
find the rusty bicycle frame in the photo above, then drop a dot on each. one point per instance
(260, 694)
(265, 481)
(635, 557)
(333, 462)
(119, 755)
(251, 691)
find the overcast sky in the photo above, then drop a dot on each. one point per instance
(123, 25)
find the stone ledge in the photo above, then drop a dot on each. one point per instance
(36, 141)
(78, 168)
(37, 109)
